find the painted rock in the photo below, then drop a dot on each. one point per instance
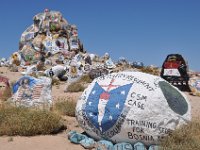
(5, 91)
(75, 72)
(109, 64)
(15, 59)
(32, 92)
(56, 71)
(94, 73)
(195, 86)
(131, 107)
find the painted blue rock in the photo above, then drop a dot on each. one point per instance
(88, 143)
(123, 146)
(154, 147)
(104, 145)
(139, 146)
(132, 107)
(77, 138)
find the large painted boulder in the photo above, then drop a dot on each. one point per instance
(32, 92)
(131, 107)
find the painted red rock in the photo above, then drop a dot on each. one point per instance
(4, 87)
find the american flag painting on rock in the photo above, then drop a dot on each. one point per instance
(32, 92)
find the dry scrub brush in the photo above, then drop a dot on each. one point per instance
(75, 87)
(65, 107)
(185, 138)
(80, 85)
(28, 122)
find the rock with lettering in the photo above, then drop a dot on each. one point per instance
(131, 107)
(57, 71)
(123, 146)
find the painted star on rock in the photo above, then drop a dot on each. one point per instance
(117, 106)
(93, 92)
(110, 117)
(91, 114)
(123, 92)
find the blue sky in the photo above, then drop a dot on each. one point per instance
(139, 30)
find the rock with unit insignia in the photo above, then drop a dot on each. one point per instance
(132, 107)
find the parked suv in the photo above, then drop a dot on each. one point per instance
(175, 71)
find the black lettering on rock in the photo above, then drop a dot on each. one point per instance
(130, 102)
(131, 122)
(136, 136)
(133, 94)
(142, 123)
(130, 136)
(165, 130)
(140, 105)
(136, 103)
(140, 137)
(138, 129)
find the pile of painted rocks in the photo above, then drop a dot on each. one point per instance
(51, 41)
(49, 34)
(51, 47)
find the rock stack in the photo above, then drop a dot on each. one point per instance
(49, 34)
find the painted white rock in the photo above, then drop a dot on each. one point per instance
(131, 107)
(15, 59)
(56, 71)
(75, 72)
(30, 70)
(109, 64)
(195, 85)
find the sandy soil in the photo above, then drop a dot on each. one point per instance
(49, 142)
(60, 141)
(195, 106)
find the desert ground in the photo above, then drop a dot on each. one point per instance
(60, 141)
